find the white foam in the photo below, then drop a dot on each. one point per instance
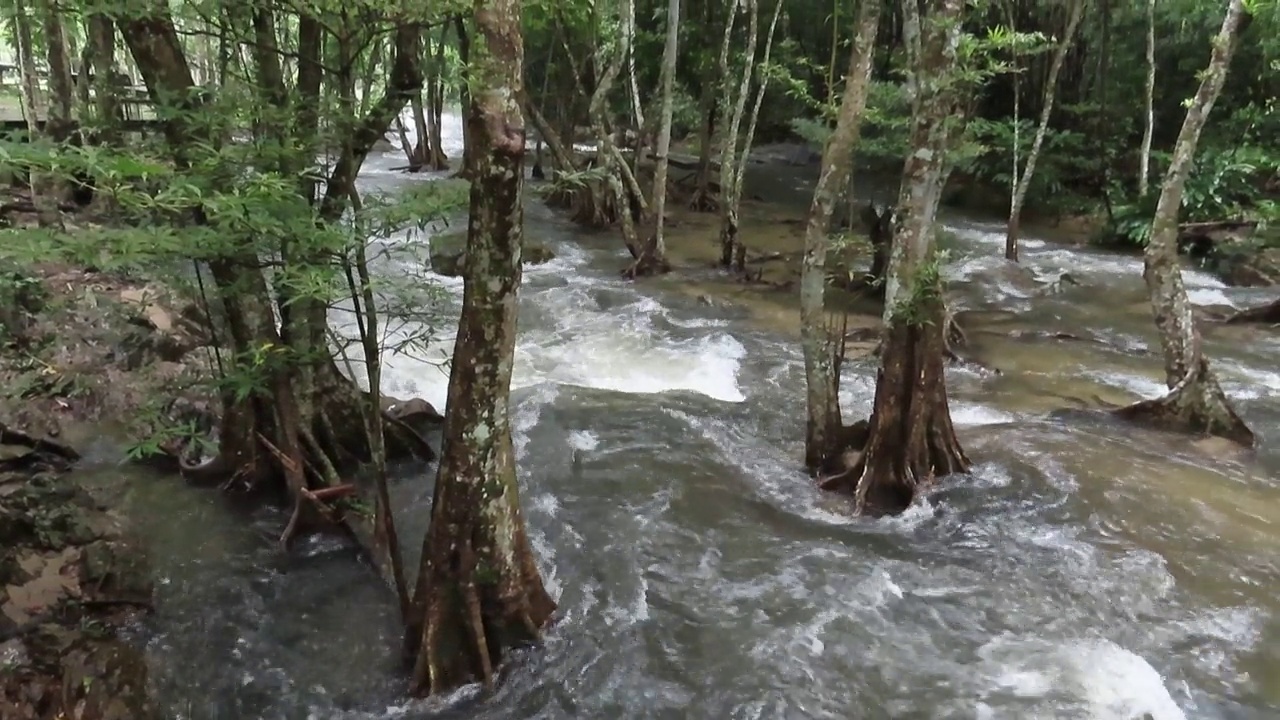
(966, 414)
(584, 440)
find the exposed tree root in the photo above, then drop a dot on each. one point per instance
(1195, 405)
(910, 438)
(704, 199)
(1267, 314)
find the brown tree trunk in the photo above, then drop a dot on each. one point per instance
(1046, 110)
(435, 92)
(910, 437)
(479, 593)
(43, 195)
(1196, 402)
(653, 257)
(822, 344)
(102, 53)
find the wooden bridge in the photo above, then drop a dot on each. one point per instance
(135, 106)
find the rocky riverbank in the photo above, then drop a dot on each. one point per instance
(71, 582)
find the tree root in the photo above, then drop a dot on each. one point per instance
(704, 199)
(1195, 405)
(12, 436)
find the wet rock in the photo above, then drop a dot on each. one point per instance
(417, 413)
(449, 250)
(1258, 268)
(69, 576)
(159, 331)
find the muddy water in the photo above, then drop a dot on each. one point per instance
(1084, 569)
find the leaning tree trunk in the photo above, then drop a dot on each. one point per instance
(653, 256)
(728, 153)
(717, 86)
(823, 346)
(1196, 402)
(479, 591)
(910, 439)
(1046, 110)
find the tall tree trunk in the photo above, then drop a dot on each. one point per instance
(729, 149)
(734, 194)
(1046, 110)
(102, 53)
(1148, 115)
(714, 92)
(910, 439)
(654, 256)
(822, 346)
(1196, 402)
(43, 195)
(464, 85)
(435, 91)
(479, 592)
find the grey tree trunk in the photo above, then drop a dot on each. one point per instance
(729, 149)
(1196, 402)
(1148, 115)
(734, 194)
(1046, 110)
(713, 107)
(822, 345)
(33, 109)
(669, 53)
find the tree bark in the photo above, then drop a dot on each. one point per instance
(1196, 402)
(1046, 110)
(910, 438)
(713, 94)
(43, 196)
(1148, 115)
(479, 593)
(822, 345)
(653, 258)
(729, 149)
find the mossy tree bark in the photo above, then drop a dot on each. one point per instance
(910, 437)
(822, 345)
(1195, 402)
(479, 593)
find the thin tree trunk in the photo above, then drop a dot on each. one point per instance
(1046, 110)
(1196, 402)
(654, 256)
(740, 172)
(464, 92)
(435, 89)
(728, 152)
(479, 592)
(43, 196)
(713, 103)
(1148, 115)
(421, 151)
(822, 346)
(102, 53)
(910, 439)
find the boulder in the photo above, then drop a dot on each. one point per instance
(1254, 269)
(417, 413)
(449, 249)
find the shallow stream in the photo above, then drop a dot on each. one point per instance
(1084, 569)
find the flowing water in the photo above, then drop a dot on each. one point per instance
(1084, 569)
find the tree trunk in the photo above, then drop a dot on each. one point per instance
(729, 149)
(1196, 402)
(479, 593)
(653, 258)
(435, 90)
(1046, 110)
(43, 195)
(734, 195)
(102, 53)
(714, 91)
(822, 345)
(1148, 115)
(910, 439)
(464, 85)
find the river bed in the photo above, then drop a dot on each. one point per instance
(1083, 570)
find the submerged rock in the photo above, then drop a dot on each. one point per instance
(69, 578)
(1260, 268)
(449, 250)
